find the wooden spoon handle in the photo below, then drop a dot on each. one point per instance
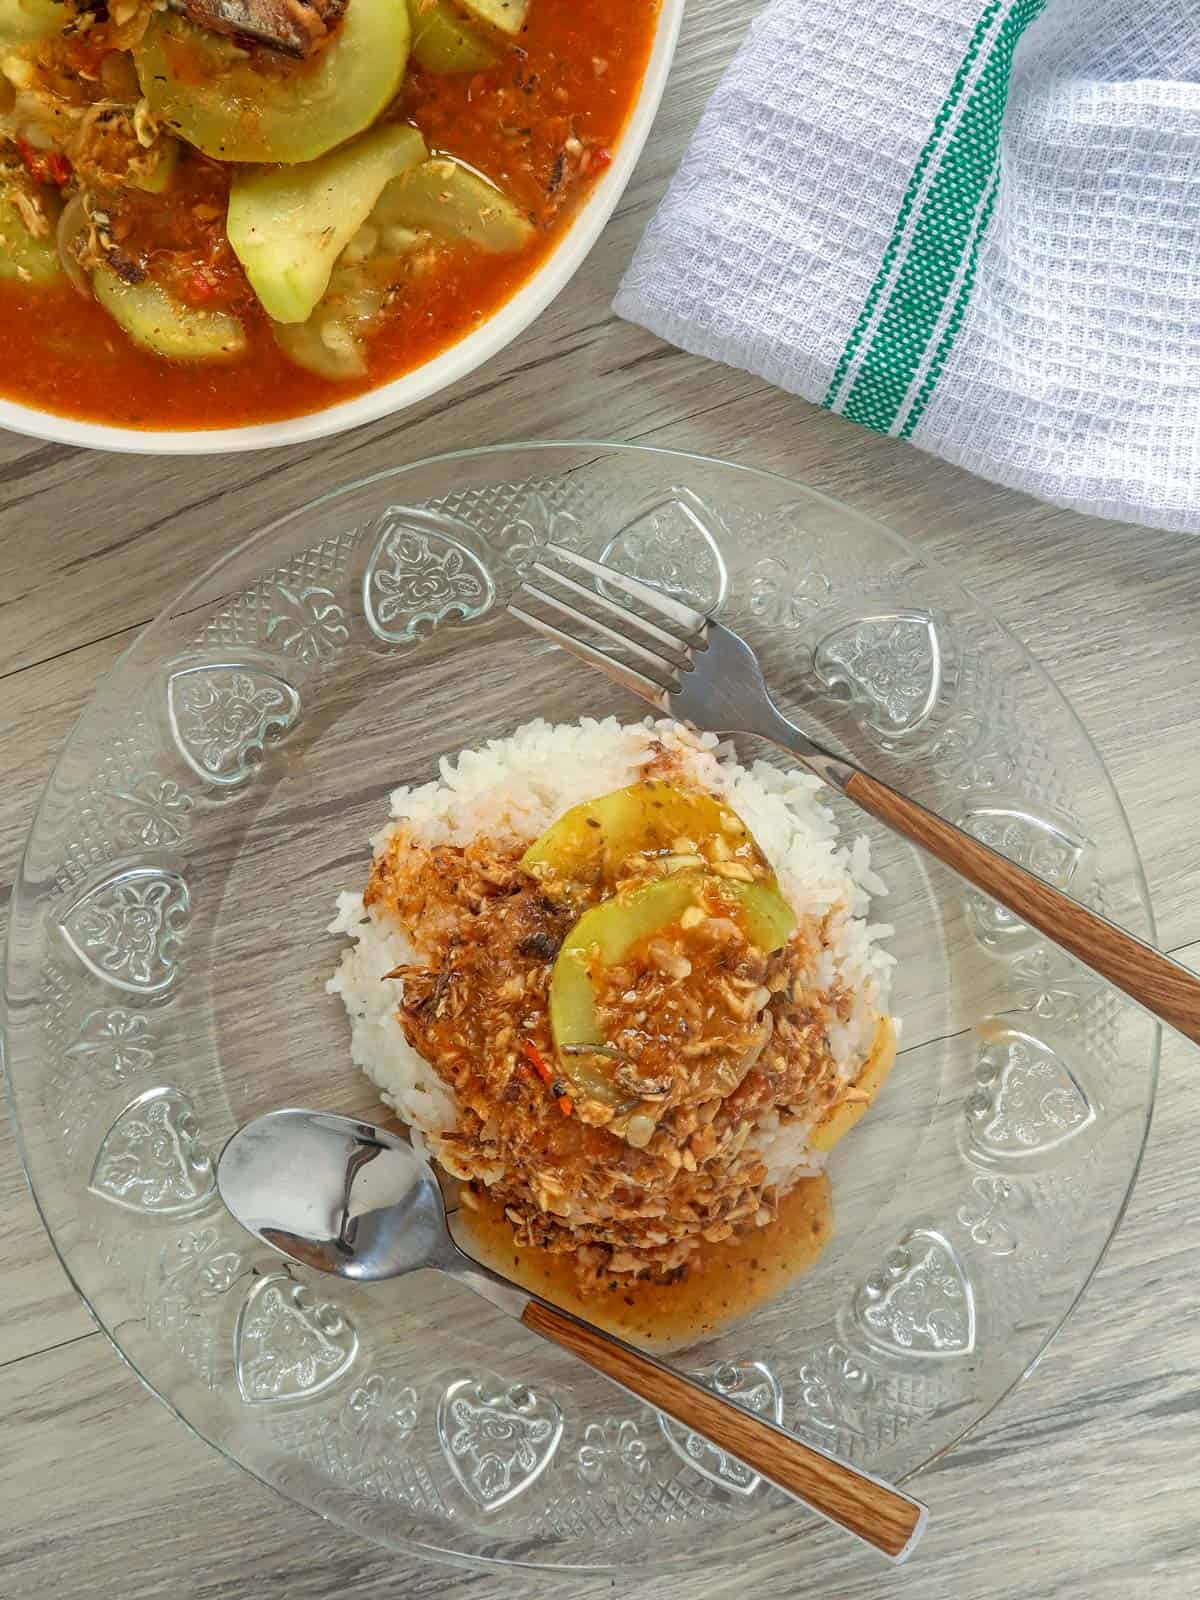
(1166, 989)
(874, 1511)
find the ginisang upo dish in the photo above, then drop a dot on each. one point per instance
(620, 986)
(217, 212)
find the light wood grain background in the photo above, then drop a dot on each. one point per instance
(1084, 1483)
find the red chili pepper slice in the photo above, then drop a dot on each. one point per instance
(565, 1104)
(45, 166)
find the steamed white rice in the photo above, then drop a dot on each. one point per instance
(510, 790)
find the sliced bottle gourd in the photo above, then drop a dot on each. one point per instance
(506, 15)
(325, 346)
(22, 21)
(444, 42)
(332, 343)
(289, 225)
(842, 1117)
(443, 197)
(259, 105)
(608, 933)
(158, 322)
(155, 177)
(159, 175)
(24, 257)
(588, 844)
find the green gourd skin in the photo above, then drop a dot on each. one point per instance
(24, 258)
(508, 16)
(444, 42)
(25, 21)
(609, 932)
(158, 322)
(289, 225)
(261, 106)
(443, 197)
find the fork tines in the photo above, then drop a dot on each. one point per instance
(658, 650)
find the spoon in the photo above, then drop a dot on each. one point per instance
(356, 1201)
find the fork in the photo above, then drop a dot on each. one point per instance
(702, 673)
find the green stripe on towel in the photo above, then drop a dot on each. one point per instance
(895, 354)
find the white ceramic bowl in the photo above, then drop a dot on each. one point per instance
(454, 363)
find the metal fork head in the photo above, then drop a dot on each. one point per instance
(678, 659)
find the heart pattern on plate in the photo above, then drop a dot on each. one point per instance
(222, 715)
(153, 1160)
(1028, 1100)
(750, 1385)
(674, 545)
(497, 1440)
(419, 576)
(920, 1302)
(127, 929)
(892, 666)
(289, 1343)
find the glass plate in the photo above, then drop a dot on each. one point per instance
(168, 954)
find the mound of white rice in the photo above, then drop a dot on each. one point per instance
(511, 790)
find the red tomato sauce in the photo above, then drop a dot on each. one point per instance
(572, 75)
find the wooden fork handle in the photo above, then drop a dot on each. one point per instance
(875, 1512)
(1165, 988)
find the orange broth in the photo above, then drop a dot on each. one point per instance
(574, 70)
(724, 1283)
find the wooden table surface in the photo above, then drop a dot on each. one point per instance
(1084, 1482)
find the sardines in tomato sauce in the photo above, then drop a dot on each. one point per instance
(233, 211)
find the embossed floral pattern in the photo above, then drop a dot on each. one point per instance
(612, 1450)
(892, 667)
(116, 1042)
(366, 1445)
(1051, 986)
(497, 1441)
(836, 1390)
(538, 525)
(195, 1272)
(152, 1159)
(984, 1215)
(222, 717)
(1045, 846)
(127, 931)
(383, 1403)
(921, 1300)
(194, 1260)
(305, 623)
(1032, 841)
(675, 545)
(972, 754)
(1028, 1100)
(152, 811)
(419, 576)
(785, 597)
(289, 1343)
(750, 1385)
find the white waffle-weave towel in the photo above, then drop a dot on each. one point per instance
(973, 225)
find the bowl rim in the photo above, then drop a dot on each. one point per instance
(677, 1563)
(443, 370)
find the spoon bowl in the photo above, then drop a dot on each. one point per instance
(339, 1195)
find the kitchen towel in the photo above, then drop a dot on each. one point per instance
(975, 226)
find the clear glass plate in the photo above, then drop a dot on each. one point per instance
(168, 954)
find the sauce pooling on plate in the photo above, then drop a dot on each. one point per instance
(728, 1282)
